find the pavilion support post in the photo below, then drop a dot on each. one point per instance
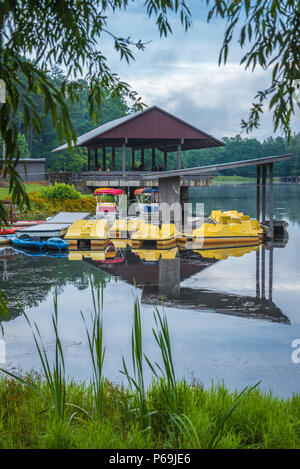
(124, 159)
(143, 158)
(179, 156)
(89, 159)
(264, 176)
(113, 159)
(96, 159)
(271, 201)
(153, 157)
(104, 159)
(258, 171)
(165, 160)
(132, 158)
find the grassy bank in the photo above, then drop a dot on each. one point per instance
(260, 421)
(50, 411)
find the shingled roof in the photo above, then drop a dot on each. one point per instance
(146, 129)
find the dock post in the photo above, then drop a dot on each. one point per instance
(271, 201)
(271, 272)
(263, 273)
(257, 273)
(264, 174)
(179, 156)
(124, 159)
(258, 171)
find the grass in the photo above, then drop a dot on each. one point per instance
(29, 188)
(260, 421)
(49, 411)
(233, 180)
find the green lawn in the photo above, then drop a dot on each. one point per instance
(29, 188)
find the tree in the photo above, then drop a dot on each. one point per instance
(270, 30)
(63, 33)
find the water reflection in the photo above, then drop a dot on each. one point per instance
(231, 317)
(159, 274)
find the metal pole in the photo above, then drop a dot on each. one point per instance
(271, 200)
(258, 171)
(124, 159)
(179, 156)
(264, 174)
(132, 158)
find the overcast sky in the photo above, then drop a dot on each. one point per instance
(181, 73)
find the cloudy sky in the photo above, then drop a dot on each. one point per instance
(181, 73)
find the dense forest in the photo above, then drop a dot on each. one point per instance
(236, 148)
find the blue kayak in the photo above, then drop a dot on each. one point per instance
(56, 244)
(28, 243)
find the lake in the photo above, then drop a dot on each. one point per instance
(232, 319)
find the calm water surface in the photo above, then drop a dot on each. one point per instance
(230, 320)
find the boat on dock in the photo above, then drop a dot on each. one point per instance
(93, 232)
(107, 203)
(26, 242)
(225, 228)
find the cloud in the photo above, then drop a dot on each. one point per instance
(180, 73)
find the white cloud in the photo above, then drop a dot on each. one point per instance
(180, 73)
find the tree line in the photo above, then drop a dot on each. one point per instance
(113, 107)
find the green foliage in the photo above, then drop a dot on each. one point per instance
(72, 42)
(270, 31)
(238, 149)
(60, 191)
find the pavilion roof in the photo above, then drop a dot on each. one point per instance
(150, 128)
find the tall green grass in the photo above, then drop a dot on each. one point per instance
(136, 382)
(168, 413)
(95, 342)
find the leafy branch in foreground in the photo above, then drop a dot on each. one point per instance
(270, 30)
(65, 34)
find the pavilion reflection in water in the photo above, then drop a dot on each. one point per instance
(159, 273)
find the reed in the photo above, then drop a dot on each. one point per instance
(136, 382)
(95, 342)
(55, 374)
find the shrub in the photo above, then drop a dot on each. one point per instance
(60, 191)
(52, 206)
